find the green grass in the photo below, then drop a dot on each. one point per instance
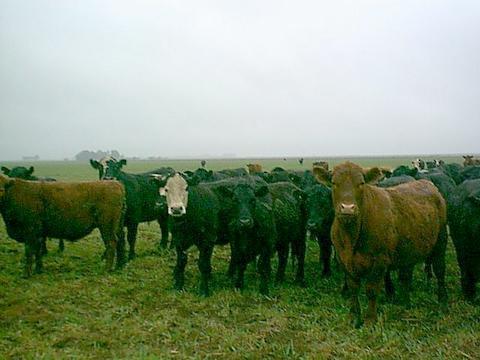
(76, 310)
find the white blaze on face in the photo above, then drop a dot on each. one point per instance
(176, 191)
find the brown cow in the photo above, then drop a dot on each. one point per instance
(35, 210)
(469, 160)
(376, 230)
(254, 168)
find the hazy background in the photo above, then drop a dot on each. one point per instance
(250, 78)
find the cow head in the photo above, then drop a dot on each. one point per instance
(319, 207)
(419, 164)
(176, 192)
(20, 172)
(348, 181)
(244, 198)
(113, 169)
(467, 160)
(101, 165)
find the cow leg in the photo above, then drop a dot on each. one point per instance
(389, 288)
(240, 267)
(179, 271)
(205, 267)
(109, 238)
(325, 255)
(282, 250)
(438, 263)
(468, 285)
(38, 255)
(29, 252)
(264, 268)
(300, 276)
(132, 230)
(428, 269)
(61, 245)
(163, 223)
(121, 258)
(372, 289)
(44, 246)
(355, 312)
(405, 276)
(232, 264)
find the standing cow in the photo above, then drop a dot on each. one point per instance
(376, 230)
(33, 211)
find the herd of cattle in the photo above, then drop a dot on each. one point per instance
(377, 220)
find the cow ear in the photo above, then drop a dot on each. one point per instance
(5, 170)
(30, 170)
(94, 164)
(322, 176)
(123, 162)
(261, 191)
(373, 175)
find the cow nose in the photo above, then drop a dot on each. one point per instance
(246, 222)
(311, 224)
(347, 209)
(177, 210)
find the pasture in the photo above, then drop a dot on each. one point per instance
(76, 310)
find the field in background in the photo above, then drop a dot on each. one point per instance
(76, 310)
(74, 170)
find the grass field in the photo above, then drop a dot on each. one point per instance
(76, 310)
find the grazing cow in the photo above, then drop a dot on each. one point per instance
(254, 169)
(143, 200)
(193, 216)
(464, 222)
(469, 160)
(247, 220)
(376, 230)
(33, 211)
(319, 208)
(21, 172)
(290, 221)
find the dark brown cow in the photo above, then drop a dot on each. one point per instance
(254, 168)
(376, 230)
(469, 160)
(35, 210)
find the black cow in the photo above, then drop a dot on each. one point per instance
(143, 201)
(21, 172)
(464, 222)
(395, 180)
(320, 216)
(470, 172)
(290, 219)
(247, 220)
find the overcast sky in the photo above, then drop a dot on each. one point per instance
(251, 78)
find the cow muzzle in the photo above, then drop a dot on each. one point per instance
(245, 222)
(347, 209)
(312, 225)
(177, 211)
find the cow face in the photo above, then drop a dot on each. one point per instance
(244, 199)
(319, 206)
(419, 164)
(101, 165)
(176, 192)
(348, 182)
(19, 172)
(113, 169)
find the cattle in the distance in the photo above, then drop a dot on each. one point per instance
(246, 218)
(322, 164)
(194, 220)
(464, 222)
(290, 220)
(33, 211)
(203, 175)
(395, 180)
(376, 230)
(470, 172)
(469, 160)
(203, 163)
(143, 200)
(300, 161)
(239, 172)
(420, 165)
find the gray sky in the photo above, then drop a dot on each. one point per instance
(252, 78)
